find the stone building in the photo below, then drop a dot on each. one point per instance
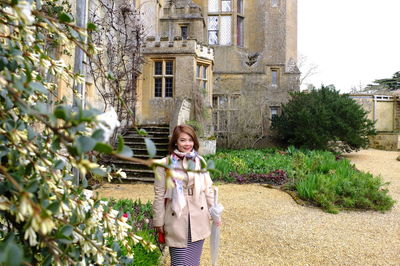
(228, 64)
(384, 109)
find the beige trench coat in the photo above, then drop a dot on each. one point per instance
(176, 229)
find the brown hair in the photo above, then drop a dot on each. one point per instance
(175, 135)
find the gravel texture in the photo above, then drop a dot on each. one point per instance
(263, 226)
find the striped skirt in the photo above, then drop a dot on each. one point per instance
(189, 256)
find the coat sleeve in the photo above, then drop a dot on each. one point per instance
(159, 201)
(209, 190)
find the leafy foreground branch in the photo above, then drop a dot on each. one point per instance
(319, 177)
(45, 218)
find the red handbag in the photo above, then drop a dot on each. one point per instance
(161, 238)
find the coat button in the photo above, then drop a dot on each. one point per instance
(173, 214)
(202, 208)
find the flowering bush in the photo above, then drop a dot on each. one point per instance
(45, 217)
(140, 216)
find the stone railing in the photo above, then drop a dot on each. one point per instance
(163, 45)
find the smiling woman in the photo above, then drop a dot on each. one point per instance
(183, 198)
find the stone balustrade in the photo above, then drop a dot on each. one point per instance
(163, 45)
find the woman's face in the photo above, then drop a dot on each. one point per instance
(185, 143)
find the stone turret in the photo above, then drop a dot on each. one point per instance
(182, 18)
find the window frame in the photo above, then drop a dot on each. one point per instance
(201, 70)
(240, 28)
(164, 93)
(230, 109)
(219, 14)
(181, 26)
(274, 108)
(274, 3)
(275, 82)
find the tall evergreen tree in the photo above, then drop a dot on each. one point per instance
(389, 83)
(321, 119)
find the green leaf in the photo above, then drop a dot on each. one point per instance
(115, 246)
(103, 148)
(120, 144)
(41, 107)
(48, 259)
(59, 164)
(61, 112)
(191, 165)
(126, 151)
(98, 134)
(10, 252)
(31, 133)
(54, 207)
(64, 241)
(84, 182)
(13, 66)
(151, 147)
(73, 150)
(210, 164)
(64, 18)
(8, 103)
(14, 255)
(33, 186)
(67, 229)
(91, 26)
(98, 171)
(55, 145)
(142, 132)
(39, 87)
(3, 151)
(85, 144)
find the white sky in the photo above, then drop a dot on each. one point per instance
(353, 42)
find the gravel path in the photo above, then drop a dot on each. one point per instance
(265, 226)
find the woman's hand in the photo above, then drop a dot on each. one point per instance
(218, 223)
(159, 229)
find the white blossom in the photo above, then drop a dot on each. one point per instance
(25, 207)
(121, 173)
(99, 258)
(108, 123)
(25, 11)
(31, 235)
(88, 193)
(46, 226)
(4, 203)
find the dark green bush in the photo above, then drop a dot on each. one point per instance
(323, 120)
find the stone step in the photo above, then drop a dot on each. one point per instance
(136, 171)
(150, 129)
(146, 156)
(150, 135)
(142, 145)
(129, 165)
(143, 151)
(141, 179)
(139, 173)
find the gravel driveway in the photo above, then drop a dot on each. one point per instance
(265, 226)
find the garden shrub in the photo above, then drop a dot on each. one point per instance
(140, 218)
(320, 177)
(323, 120)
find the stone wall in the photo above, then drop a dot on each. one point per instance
(385, 141)
(185, 55)
(246, 73)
